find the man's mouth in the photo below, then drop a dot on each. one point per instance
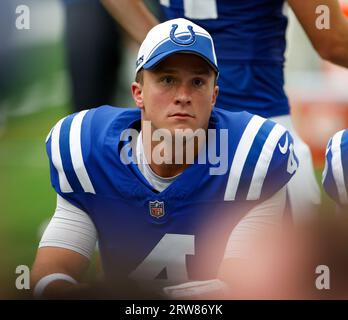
(182, 115)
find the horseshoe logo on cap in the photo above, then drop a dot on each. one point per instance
(182, 42)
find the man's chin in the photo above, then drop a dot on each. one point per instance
(182, 129)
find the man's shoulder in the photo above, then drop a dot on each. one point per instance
(263, 158)
(95, 121)
(245, 127)
(78, 145)
(234, 119)
(335, 175)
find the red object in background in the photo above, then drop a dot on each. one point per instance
(344, 7)
(317, 121)
(320, 114)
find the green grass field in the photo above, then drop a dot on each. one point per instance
(27, 199)
(26, 196)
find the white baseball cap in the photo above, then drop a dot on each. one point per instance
(174, 36)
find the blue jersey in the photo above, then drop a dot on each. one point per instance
(178, 234)
(335, 175)
(249, 38)
(68, 2)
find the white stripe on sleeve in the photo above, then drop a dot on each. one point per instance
(49, 135)
(57, 160)
(337, 167)
(241, 155)
(264, 161)
(76, 153)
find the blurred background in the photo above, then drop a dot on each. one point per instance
(36, 91)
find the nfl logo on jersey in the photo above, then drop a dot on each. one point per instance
(157, 208)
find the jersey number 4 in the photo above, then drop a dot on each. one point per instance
(169, 254)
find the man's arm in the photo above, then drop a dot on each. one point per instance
(263, 222)
(135, 18)
(65, 250)
(252, 249)
(331, 44)
(56, 272)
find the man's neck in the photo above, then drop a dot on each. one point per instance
(175, 160)
(168, 170)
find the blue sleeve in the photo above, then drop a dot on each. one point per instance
(335, 174)
(282, 167)
(264, 161)
(328, 179)
(68, 149)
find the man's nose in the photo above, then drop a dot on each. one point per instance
(183, 94)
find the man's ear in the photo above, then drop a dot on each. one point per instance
(137, 93)
(214, 97)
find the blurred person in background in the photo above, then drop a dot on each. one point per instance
(335, 174)
(250, 44)
(94, 46)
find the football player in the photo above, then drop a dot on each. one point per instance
(250, 44)
(335, 174)
(169, 225)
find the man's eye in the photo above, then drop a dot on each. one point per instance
(198, 82)
(167, 80)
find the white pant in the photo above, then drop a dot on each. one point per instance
(303, 189)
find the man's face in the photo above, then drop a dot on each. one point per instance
(179, 93)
